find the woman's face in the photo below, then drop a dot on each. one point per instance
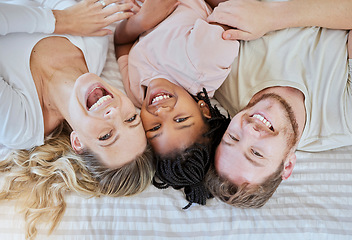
(105, 121)
(172, 119)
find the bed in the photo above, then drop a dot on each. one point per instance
(314, 203)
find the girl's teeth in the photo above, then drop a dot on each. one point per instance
(160, 97)
(100, 102)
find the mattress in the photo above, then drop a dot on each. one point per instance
(314, 203)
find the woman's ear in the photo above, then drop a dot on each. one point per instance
(289, 165)
(76, 143)
(204, 108)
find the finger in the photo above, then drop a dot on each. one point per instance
(235, 34)
(118, 16)
(118, 8)
(223, 18)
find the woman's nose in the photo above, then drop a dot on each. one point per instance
(110, 112)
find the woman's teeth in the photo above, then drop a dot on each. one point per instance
(100, 102)
(263, 120)
(160, 97)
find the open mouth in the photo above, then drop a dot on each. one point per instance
(97, 97)
(265, 121)
(159, 97)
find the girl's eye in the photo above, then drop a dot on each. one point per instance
(132, 118)
(178, 120)
(256, 153)
(106, 136)
(154, 128)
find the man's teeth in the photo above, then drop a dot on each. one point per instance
(100, 102)
(263, 120)
(160, 97)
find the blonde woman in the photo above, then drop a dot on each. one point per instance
(55, 105)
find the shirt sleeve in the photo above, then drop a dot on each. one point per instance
(25, 18)
(210, 55)
(16, 129)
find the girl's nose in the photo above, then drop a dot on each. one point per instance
(162, 110)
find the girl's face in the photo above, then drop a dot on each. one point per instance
(171, 118)
(105, 121)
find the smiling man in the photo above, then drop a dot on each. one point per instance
(289, 90)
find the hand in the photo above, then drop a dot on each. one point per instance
(155, 11)
(90, 17)
(251, 19)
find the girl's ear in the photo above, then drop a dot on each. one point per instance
(204, 108)
(76, 143)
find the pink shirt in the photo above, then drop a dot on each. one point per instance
(184, 48)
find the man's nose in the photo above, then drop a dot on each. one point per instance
(253, 129)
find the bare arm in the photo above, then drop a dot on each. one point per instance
(90, 17)
(151, 14)
(254, 18)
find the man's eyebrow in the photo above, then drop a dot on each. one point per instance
(255, 163)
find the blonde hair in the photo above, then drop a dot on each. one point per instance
(40, 177)
(245, 195)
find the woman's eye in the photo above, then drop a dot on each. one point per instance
(106, 136)
(132, 118)
(178, 120)
(154, 128)
(256, 153)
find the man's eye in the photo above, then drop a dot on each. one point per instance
(106, 136)
(154, 128)
(132, 118)
(178, 120)
(233, 138)
(256, 153)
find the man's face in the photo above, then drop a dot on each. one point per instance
(257, 141)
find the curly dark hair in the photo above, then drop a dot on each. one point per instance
(187, 168)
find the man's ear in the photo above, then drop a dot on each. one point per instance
(204, 108)
(76, 143)
(289, 165)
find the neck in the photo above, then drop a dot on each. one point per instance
(55, 65)
(57, 94)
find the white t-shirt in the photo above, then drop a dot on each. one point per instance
(313, 60)
(21, 118)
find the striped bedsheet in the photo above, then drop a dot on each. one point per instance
(314, 203)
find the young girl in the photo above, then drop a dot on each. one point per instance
(168, 65)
